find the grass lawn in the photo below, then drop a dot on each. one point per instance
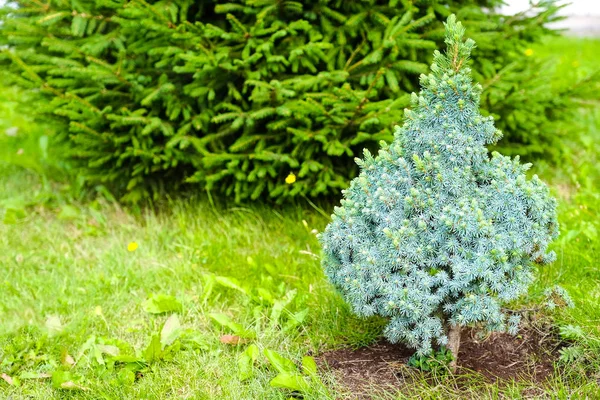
(87, 314)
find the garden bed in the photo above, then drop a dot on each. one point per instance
(499, 358)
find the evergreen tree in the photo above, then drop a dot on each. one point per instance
(237, 95)
(433, 233)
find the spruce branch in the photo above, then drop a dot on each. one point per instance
(394, 37)
(365, 98)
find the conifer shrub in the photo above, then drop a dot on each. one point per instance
(237, 95)
(435, 234)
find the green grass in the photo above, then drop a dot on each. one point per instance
(67, 278)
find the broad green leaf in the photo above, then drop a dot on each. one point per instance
(246, 362)
(12, 215)
(98, 355)
(279, 362)
(169, 352)
(154, 351)
(126, 376)
(280, 305)
(171, 331)
(271, 270)
(236, 328)
(193, 339)
(209, 284)
(265, 294)
(309, 366)
(161, 303)
(296, 319)
(292, 381)
(230, 283)
(65, 380)
(91, 342)
(68, 213)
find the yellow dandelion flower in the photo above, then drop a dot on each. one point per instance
(291, 178)
(529, 52)
(132, 246)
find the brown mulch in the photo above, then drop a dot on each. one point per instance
(500, 357)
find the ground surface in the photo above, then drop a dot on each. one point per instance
(88, 314)
(499, 358)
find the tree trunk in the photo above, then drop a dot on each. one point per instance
(454, 345)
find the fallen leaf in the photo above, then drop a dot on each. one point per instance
(34, 375)
(12, 131)
(112, 351)
(68, 360)
(53, 324)
(7, 378)
(170, 331)
(232, 339)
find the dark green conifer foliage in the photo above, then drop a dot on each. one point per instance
(236, 95)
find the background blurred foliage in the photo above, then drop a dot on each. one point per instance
(234, 96)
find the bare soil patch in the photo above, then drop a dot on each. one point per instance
(500, 357)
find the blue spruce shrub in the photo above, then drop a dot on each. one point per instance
(434, 234)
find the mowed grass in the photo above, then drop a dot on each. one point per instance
(79, 270)
(67, 279)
